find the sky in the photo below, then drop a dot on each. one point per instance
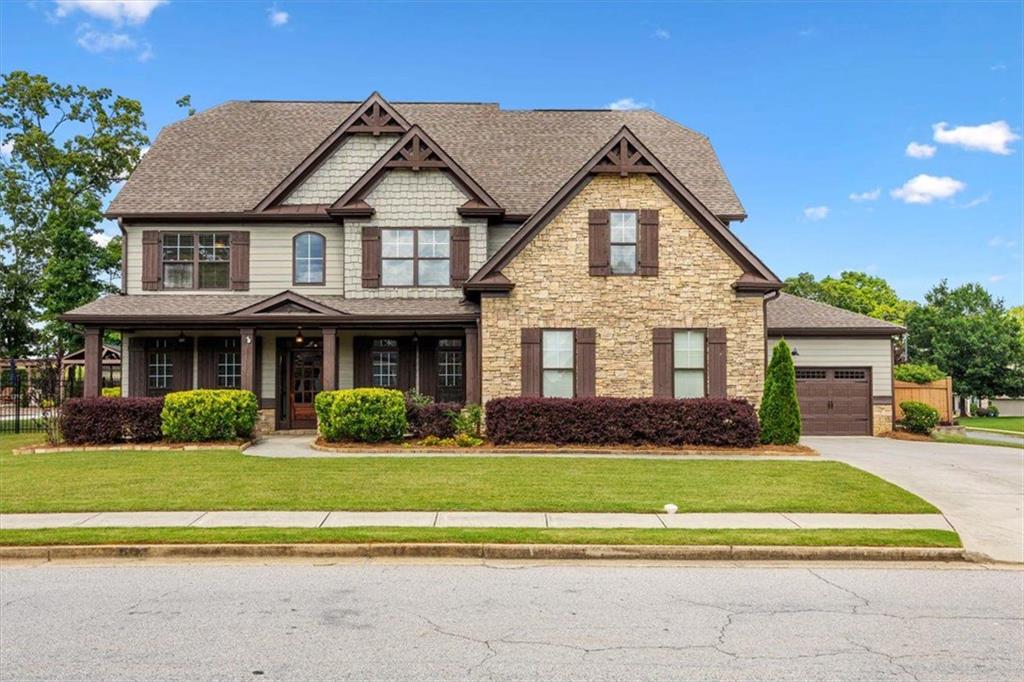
(879, 137)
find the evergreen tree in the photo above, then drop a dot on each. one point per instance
(780, 411)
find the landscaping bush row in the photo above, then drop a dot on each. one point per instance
(111, 420)
(208, 414)
(612, 421)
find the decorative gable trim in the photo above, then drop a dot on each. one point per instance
(286, 303)
(415, 151)
(375, 116)
(625, 154)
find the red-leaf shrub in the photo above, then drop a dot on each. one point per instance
(620, 421)
(111, 420)
(432, 419)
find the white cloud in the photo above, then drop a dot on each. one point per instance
(7, 148)
(809, 32)
(101, 238)
(627, 104)
(924, 189)
(116, 11)
(997, 67)
(662, 34)
(866, 196)
(277, 17)
(146, 53)
(996, 278)
(102, 41)
(978, 201)
(992, 137)
(816, 213)
(1001, 243)
(920, 151)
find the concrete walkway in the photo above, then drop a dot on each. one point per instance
(462, 519)
(993, 435)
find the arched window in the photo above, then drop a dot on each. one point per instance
(309, 248)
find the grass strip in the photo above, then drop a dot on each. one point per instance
(966, 440)
(847, 537)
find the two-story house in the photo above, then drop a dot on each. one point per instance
(462, 250)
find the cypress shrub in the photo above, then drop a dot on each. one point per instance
(780, 410)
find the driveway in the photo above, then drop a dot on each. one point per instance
(979, 488)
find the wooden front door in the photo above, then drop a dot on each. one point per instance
(305, 380)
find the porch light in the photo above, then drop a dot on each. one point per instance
(795, 352)
(298, 337)
(181, 337)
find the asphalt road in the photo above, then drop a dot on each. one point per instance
(298, 621)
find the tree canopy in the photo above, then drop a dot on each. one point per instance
(858, 292)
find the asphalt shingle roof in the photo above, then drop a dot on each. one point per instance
(228, 158)
(793, 312)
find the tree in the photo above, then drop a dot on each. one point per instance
(970, 336)
(779, 412)
(68, 146)
(855, 291)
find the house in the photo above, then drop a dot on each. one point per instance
(463, 250)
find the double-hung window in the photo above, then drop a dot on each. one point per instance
(196, 260)
(159, 369)
(309, 258)
(557, 363)
(384, 363)
(229, 365)
(688, 364)
(622, 233)
(178, 260)
(415, 257)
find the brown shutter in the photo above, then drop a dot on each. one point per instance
(715, 361)
(428, 366)
(586, 362)
(531, 359)
(371, 257)
(363, 374)
(137, 368)
(208, 348)
(240, 261)
(181, 361)
(406, 363)
(600, 244)
(664, 386)
(150, 260)
(460, 255)
(648, 242)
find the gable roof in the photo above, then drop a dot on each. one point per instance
(286, 303)
(796, 316)
(228, 159)
(623, 154)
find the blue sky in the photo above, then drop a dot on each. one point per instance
(806, 103)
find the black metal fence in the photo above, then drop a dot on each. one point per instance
(30, 403)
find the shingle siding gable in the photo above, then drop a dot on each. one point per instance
(342, 168)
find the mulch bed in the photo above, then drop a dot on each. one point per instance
(410, 447)
(134, 447)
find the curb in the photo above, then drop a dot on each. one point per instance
(485, 551)
(485, 451)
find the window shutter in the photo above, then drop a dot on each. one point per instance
(406, 363)
(363, 374)
(239, 261)
(586, 362)
(138, 368)
(181, 360)
(150, 260)
(208, 362)
(460, 255)
(715, 362)
(531, 362)
(663, 374)
(428, 366)
(600, 244)
(648, 242)
(371, 257)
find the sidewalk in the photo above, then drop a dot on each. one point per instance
(462, 519)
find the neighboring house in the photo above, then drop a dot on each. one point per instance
(463, 250)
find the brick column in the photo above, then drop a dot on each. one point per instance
(93, 361)
(472, 365)
(330, 369)
(248, 346)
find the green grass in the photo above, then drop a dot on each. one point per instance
(1010, 424)
(966, 440)
(809, 538)
(224, 480)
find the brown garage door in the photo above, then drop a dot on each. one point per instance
(834, 401)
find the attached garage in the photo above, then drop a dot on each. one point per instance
(843, 365)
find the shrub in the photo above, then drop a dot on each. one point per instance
(368, 415)
(112, 392)
(461, 440)
(207, 414)
(990, 411)
(469, 421)
(780, 409)
(617, 421)
(424, 417)
(918, 417)
(111, 420)
(918, 374)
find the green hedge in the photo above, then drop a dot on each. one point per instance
(918, 374)
(206, 415)
(112, 392)
(368, 415)
(918, 417)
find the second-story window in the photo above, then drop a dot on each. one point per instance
(622, 226)
(309, 258)
(199, 260)
(415, 257)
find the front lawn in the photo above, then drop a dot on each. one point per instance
(223, 480)
(1011, 424)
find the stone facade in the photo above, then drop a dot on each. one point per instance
(265, 423)
(881, 419)
(553, 288)
(404, 198)
(341, 169)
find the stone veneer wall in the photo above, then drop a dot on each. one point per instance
(881, 419)
(404, 198)
(553, 288)
(342, 168)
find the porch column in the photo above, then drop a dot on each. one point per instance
(472, 365)
(93, 361)
(248, 345)
(330, 370)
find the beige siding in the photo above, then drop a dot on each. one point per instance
(270, 257)
(342, 168)
(845, 352)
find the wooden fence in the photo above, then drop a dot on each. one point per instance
(938, 394)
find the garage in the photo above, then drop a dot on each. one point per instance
(834, 401)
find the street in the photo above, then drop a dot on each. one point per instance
(434, 620)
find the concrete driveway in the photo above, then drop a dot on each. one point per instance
(979, 488)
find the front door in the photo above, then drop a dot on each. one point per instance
(305, 380)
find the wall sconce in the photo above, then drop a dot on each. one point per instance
(795, 352)
(298, 337)
(181, 337)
